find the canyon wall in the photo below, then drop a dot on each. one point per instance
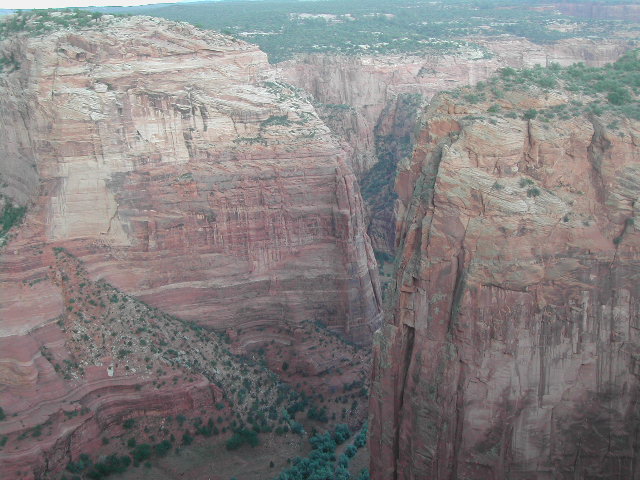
(182, 172)
(600, 11)
(372, 103)
(512, 347)
(364, 86)
(173, 182)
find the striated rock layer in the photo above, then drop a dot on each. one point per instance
(371, 103)
(170, 163)
(184, 174)
(366, 85)
(512, 348)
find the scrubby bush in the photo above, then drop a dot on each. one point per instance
(112, 464)
(241, 437)
(141, 452)
(163, 448)
(341, 433)
(187, 439)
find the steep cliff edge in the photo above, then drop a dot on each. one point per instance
(369, 84)
(511, 351)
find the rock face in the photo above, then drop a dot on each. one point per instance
(365, 86)
(171, 164)
(184, 174)
(512, 347)
(370, 102)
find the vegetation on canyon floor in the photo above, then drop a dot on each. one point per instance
(162, 352)
(328, 459)
(323, 463)
(104, 322)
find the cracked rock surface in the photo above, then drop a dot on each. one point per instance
(512, 347)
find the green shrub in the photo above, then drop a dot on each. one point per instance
(112, 464)
(76, 467)
(11, 216)
(163, 448)
(187, 439)
(241, 437)
(141, 452)
(364, 475)
(619, 96)
(533, 192)
(507, 72)
(341, 433)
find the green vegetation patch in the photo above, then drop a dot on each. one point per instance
(614, 89)
(286, 28)
(11, 215)
(322, 461)
(37, 22)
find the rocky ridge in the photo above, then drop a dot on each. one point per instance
(172, 140)
(372, 102)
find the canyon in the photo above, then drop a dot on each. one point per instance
(373, 103)
(197, 256)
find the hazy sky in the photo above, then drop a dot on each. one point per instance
(73, 3)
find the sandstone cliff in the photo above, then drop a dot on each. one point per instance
(183, 173)
(511, 350)
(600, 10)
(167, 171)
(370, 103)
(368, 84)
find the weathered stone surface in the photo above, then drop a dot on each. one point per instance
(186, 175)
(173, 164)
(365, 86)
(511, 351)
(366, 102)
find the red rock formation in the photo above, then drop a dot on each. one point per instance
(185, 175)
(171, 163)
(366, 101)
(365, 86)
(511, 350)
